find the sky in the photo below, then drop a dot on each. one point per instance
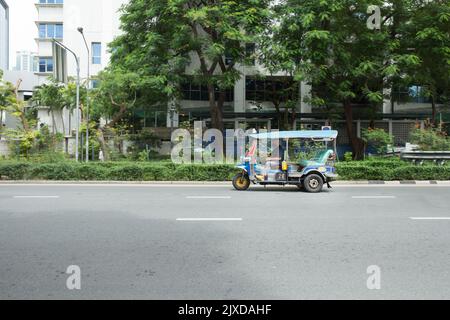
(22, 28)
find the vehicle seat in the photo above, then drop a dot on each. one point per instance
(319, 159)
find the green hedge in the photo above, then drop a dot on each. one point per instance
(393, 169)
(119, 171)
(167, 171)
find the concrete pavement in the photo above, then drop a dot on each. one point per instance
(211, 242)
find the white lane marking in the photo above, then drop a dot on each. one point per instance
(430, 218)
(209, 219)
(208, 197)
(36, 197)
(374, 197)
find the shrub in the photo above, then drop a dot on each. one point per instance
(430, 140)
(13, 171)
(378, 139)
(348, 156)
(127, 173)
(376, 169)
(156, 173)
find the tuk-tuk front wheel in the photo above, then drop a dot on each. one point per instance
(241, 182)
(313, 183)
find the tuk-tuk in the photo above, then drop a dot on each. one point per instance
(309, 174)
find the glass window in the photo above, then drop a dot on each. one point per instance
(50, 30)
(42, 30)
(45, 65)
(95, 83)
(59, 31)
(260, 90)
(96, 53)
(195, 92)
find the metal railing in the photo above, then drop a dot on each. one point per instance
(419, 157)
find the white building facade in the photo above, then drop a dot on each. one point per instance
(26, 61)
(60, 20)
(4, 35)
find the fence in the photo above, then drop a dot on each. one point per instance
(399, 129)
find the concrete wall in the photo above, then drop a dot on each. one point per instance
(4, 149)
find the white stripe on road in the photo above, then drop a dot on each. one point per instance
(430, 218)
(209, 219)
(36, 197)
(373, 197)
(208, 197)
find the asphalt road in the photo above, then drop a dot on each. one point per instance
(140, 242)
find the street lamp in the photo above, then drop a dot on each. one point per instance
(77, 111)
(80, 30)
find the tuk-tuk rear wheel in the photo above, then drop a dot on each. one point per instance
(241, 182)
(313, 183)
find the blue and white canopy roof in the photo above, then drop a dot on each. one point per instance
(308, 134)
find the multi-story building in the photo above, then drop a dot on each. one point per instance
(4, 35)
(26, 61)
(60, 20)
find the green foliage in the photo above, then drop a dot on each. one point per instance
(7, 97)
(37, 145)
(428, 32)
(348, 156)
(389, 169)
(378, 138)
(393, 169)
(430, 140)
(116, 171)
(304, 150)
(160, 39)
(143, 142)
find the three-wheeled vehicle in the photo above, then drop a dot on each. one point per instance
(310, 175)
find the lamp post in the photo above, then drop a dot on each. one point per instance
(77, 110)
(88, 86)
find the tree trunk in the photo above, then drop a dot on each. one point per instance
(294, 117)
(101, 131)
(216, 109)
(103, 144)
(286, 119)
(433, 111)
(356, 143)
(62, 122)
(54, 128)
(20, 109)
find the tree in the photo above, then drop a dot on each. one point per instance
(50, 95)
(429, 37)
(11, 103)
(114, 99)
(7, 97)
(330, 47)
(163, 37)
